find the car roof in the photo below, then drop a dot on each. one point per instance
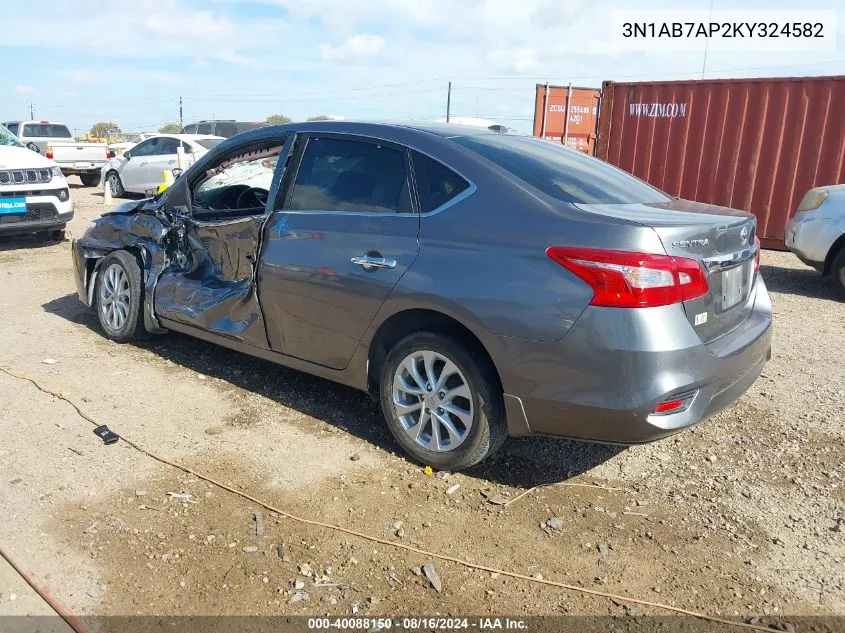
(187, 137)
(375, 129)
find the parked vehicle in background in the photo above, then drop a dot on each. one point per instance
(34, 195)
(221, 127)
(139, 169)
(54, 141)
(122, 146)
(816, 233)
(591, 306)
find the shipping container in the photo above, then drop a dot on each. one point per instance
(753, 144)
(567, 115)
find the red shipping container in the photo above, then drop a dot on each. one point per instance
(753, 144)
(582, 107)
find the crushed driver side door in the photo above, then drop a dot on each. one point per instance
(210, 284)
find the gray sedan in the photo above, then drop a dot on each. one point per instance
(477, 284)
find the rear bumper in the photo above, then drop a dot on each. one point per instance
(603, 380)
(810, 236)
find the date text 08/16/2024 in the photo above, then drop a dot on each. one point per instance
(413, 624)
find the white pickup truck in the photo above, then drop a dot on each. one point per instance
(54, 141)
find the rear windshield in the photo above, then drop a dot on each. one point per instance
(562, 173)
(45, 130)
(208, 143)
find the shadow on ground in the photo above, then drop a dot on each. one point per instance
(522, 462)
(807, 282)
(27, 241)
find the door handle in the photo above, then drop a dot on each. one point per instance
(372, 263)
(170, 162)
(143, 164)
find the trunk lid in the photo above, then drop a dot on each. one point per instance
(721, 239)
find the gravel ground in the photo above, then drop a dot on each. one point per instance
(743, 516)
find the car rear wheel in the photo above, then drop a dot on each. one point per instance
(118, 297)
(114, 183)
(442, 401)
(837, 271)
(90, 180)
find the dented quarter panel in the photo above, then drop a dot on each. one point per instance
(128, 228)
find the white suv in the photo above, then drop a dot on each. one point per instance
(34, 195)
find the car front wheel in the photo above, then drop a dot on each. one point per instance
(118, 297)
(442, 401)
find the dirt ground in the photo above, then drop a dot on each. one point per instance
(743, 516)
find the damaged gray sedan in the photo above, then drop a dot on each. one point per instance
(477, 284)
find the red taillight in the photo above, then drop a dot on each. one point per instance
(109, 152)
(624, 279)
(49, 153)
(669, 406)
(757, 254)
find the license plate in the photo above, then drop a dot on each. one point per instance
(11, 206)
(732, 287)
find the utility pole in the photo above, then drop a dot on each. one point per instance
(181, 124)
(31, 111)
(449, 102)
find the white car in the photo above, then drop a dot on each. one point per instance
(34, 195)
(120, 148)
(816, 233)
(140, 170)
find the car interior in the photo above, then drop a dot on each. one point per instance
(237, 186)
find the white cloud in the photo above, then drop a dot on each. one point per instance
(520, 60)
(355, 49)
(21, 89)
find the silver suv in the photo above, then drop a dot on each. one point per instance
(816, 234)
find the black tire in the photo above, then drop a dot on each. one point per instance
(488, 429)
(837, 271)
(90, 180)
(131, 327)
(113, 181)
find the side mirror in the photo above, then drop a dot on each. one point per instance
(176, 172)
(127, 155)
(33, 147)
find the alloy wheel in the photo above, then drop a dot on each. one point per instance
(433, 401)
(115, 297)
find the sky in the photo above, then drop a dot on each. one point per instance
(129, 62)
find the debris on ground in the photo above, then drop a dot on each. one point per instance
(299, 596)
(49, 361)
(433, 578)
(298, 584)
(554, 523)
(249, 549)
(355, 457)
(95, 591)
(259, 523)
(185, 497)
(443, 474)
(602, 548)
(305, 569)
(453, 489)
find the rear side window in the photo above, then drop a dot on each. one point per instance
(204, 128)
(341, 175)
(561, 173)
(46, 130)
(13, 128)
(190, 129)
(226, 129)
(437, 183)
